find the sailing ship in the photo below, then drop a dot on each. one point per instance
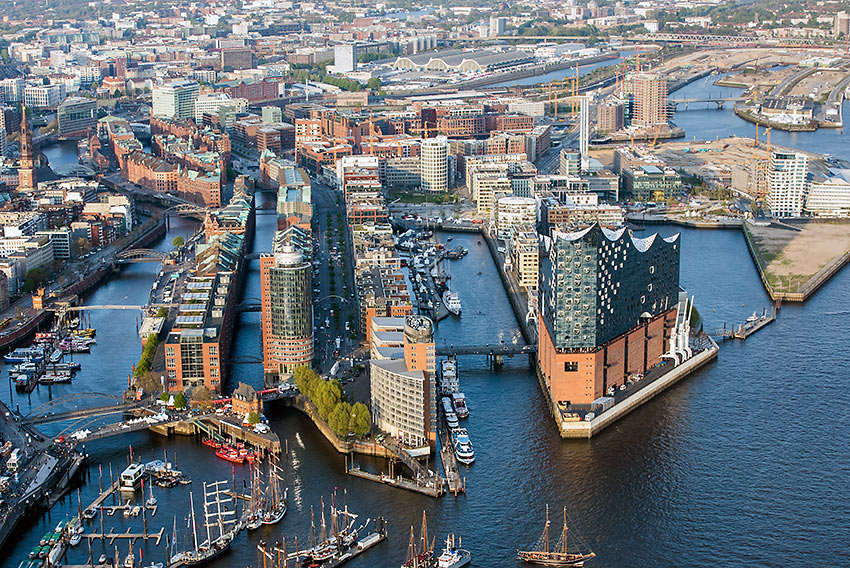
(221, 528)
(420, 555)
(542, 555)
(334, 543)
(275, 502)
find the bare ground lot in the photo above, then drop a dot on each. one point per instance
(791, 258)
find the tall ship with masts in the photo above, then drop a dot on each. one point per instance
(220, 525)
(275, 502)
(560, 555)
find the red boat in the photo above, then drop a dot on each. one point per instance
(211, 443)
(230, 455)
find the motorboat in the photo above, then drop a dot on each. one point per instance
(452, 556)
(25, 355)
(102, 559)
(89, 513)
(459, 402)
(449, 413)
(463, 447)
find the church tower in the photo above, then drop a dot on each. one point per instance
(26, 173)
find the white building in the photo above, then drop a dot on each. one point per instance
(830, 197)
(433, 164)
(43, 96)
(212, 102)
(498, 26)
(512, 212)
(345, 58)
(787, 184)
(175, 100)
(12, 90)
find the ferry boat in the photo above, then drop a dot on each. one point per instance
(25, 355)
(449, 413)
(452, 302)
(459, 401)
(452, 556)
(25, 381)
(463, 447)
(542, 555)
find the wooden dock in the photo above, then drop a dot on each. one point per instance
(399, 481)
(112, 535)
(456, 484)
(110, 510)
(275, 555)
(744, 330)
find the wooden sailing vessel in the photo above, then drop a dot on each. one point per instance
(542, 555)
(422, 555)
(217, 516)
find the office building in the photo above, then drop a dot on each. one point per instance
(787, 184)
(287, 310)
(403, 378)
(434, 165)
(272, 115)
(213, 103)
(44, 96)
(498, 25)
(176, 99)
(607, 303)
(830, 197)
(570, 163)
(345, 58)
(650, 100)
(610, 117)
(524, 254)
(76, 116)
(512, 212)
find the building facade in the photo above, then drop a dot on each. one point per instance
(176, 99)
(77, 115)
(787, 184)
(607, 303)
(434, 172)
(287, 310)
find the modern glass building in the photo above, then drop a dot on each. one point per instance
(604, 301)
(287, 310)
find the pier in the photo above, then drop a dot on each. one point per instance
(454, 482)
(746, 329)
(111, 536)
(276, 554)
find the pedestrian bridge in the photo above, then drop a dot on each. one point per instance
(503, 349)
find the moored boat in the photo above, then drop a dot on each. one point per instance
(452, 556)
(463, 447)
(459, 402)
(452, 302)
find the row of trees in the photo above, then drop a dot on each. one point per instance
(146, 360)
(340, 415)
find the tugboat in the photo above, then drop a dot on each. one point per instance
(541, 555)
(453, 557)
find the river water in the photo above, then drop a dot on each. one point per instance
(742, 464)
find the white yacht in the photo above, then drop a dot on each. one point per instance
(452, 302)
(463, 447)
(449, 413)
(453, 557)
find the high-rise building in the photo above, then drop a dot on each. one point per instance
(287, 310)
(650, 100)
(434, 164)
(787, 184)
(26, 171)
(607, 303)
(4, 145)
(212, 103)
(176, 99)
(841, 24)
(498, 25)
(403, 376)
(345, 58)
(584, 133)
(610, 117)
(76, 115)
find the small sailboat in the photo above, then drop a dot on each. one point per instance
(151, 501)
(542, 555)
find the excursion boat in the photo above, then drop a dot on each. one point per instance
(449, 413)
(542, 555)
(459, 402)
(25, 355)
(463, 447)
(448, 377)
(452, 556)
(131, 477)
(452, 302)
(54, 379)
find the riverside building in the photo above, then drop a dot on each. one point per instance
(607, 304)
(287, 310)
(403, 380)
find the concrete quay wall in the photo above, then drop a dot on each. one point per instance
(586, 429)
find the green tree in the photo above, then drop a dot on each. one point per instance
(81, 246)
(164, 397)
(34, 279)
(254, 418)
(179, 400)
(178, 241)
(149, 382)
(374, 84)
(162, 312)
(361, 420)
(328, 394)
(339, 418)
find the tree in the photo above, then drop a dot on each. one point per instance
(360, 421)
(328, 394)
(180, 400)
(162, 312)
(202, 395)
(374, 84)
(339, 418)
(150, 382)
(178, 241)
(164, 396)
(254, 418)
(81, 246)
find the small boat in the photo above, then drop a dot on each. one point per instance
(463, 447)
(211, 443)
(453, 557)
(151, 501)
(541, 555)
(75, 539)
(102, 559)
(89, 513)
(55, 378)
(127, 510)
(45, 539)
(136, 510)
(230, 454)
(56, 356)
(35, 552)
(28, 355)
(459, 402)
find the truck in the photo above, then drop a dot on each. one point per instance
(338, 342)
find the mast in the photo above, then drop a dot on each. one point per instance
(424, 533)
(313, 526)
(412, 546)
(565, 530)
(207, 515)
(194, 528)
(546, 529)
(324, 536)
